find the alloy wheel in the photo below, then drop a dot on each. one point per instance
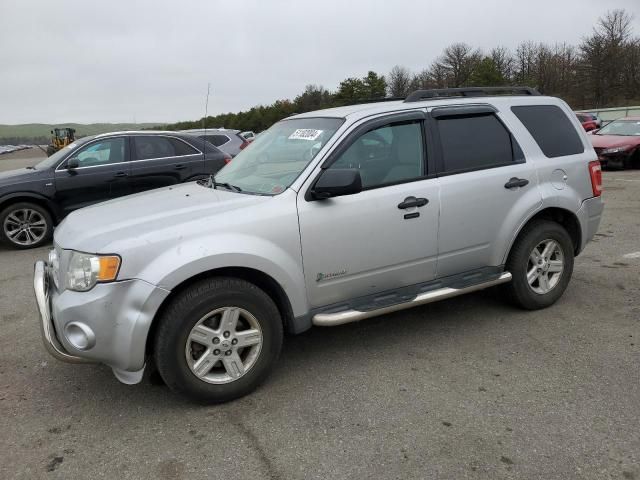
(223, 345)
(25, 226)
(545, 266)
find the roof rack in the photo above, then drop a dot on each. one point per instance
(419, 95)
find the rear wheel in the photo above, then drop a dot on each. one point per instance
(541, 263)
(218, 340)
(25, 225)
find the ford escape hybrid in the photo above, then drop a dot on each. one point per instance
(330, 217)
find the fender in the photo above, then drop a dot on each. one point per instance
(547, 204)
(193, 257)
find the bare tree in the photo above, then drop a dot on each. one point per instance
(615, 27)
(398, 81)
(604, 55)
(458, 60)
(504, 62)
(422, 80)
(526, 67)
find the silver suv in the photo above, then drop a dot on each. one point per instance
(330, 217)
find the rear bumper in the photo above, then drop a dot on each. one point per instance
(589, 215)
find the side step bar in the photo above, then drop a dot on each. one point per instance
(348, 316)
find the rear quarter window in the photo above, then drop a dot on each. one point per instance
(182, 148)
(217, 140)
(551, 129)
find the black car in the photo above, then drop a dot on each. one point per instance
(94, 169)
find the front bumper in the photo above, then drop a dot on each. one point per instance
(614, 160)
(118, 315)
(51, 343)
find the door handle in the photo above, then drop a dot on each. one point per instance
(412, 202)
(515, 182)
(120, 174)
(180, 167)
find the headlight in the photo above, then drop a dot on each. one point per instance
(615, 150)
(85, 270)
(54, 262)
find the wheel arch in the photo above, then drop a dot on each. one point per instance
(31, 197)
(562, 216)
(260, 279)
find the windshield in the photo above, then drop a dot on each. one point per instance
(276, 157)
(56, 157)
(621, 127)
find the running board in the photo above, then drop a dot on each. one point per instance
(348, 316)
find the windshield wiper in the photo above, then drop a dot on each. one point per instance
(212, 183)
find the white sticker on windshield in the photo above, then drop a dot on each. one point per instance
(305, 134)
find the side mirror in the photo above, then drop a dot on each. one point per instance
(337, 182)
(72, 163)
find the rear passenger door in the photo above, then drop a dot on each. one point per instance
(158, 161)
(486, 188)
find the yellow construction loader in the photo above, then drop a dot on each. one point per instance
(60, 138)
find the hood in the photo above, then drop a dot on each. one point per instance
(150, 217)
(21, 175)
(612, 141)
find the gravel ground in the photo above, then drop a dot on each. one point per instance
(466, 388)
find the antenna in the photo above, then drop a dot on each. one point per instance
(206, 110)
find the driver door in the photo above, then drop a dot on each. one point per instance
(378, 240)
(102, 173)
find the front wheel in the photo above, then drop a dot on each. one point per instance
(541, 263)
(218, 340)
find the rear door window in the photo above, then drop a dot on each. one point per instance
(147, 148)
(475, 142)
(551, 129)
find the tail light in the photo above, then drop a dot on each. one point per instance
(244, 145)
(227, 159)
(595, 172)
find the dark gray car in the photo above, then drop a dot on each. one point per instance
(94, 169)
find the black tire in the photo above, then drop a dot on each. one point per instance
(633, 161)
(20, 206)
(519, 290)
(187, 309)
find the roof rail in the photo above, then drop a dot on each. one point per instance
(419, 95)
(380, 99)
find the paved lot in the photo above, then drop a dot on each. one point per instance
(466, 388)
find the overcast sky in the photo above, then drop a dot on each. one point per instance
(116, 61)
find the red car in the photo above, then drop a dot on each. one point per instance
(618, 143)
(588, 123)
